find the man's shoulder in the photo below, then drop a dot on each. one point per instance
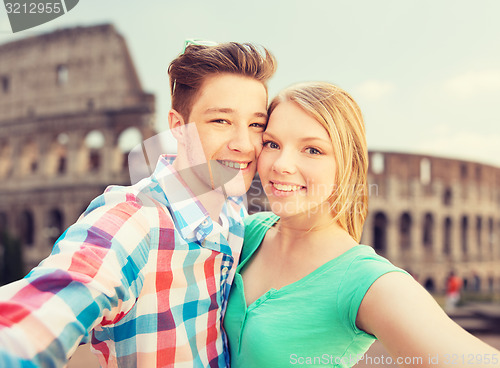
(143, 197)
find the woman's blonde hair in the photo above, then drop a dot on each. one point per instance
(341, 116)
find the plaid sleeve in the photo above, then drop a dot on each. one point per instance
(93, 276)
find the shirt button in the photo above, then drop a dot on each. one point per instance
(205, 222)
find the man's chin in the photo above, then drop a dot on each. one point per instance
(235, 188)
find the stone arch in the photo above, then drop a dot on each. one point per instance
(28, 160)
(62, 74)
(447, 231)
(27, 228)
(428, 230)
(377, 163)
(447, 196)
(3, 222)
(57, 160)
(425, 171)
(464, 232)
(380, 232)
(94, 143)
(5, 83)
(405, 223)
(479, 233)
(127, 139)
(55, 225)
(6, 150)
(430, 285)
(491, 235)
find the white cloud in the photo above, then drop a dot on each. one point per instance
(465, 145)
(474, 83)
(374, 89)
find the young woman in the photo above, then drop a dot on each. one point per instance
(305, 292)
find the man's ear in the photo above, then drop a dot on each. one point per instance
(176, 123)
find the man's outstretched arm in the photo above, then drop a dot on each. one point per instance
(89, 279)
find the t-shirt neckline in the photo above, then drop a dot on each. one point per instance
(316, 272)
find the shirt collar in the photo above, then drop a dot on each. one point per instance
(190, 217)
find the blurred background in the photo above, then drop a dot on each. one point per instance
(77, 94)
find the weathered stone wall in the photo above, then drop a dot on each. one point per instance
(67, 99)
(431, 215)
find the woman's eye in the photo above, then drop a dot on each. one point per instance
(313, 151)
(270, 144)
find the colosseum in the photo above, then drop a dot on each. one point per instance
(68, 100)
(433, 215)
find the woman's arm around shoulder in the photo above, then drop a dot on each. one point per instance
(415, 330)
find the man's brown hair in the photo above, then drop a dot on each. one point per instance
(188, 71)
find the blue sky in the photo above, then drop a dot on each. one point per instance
(425, 73)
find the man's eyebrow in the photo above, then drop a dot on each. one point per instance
(219, 109)
(227, 110)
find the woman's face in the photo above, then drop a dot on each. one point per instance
(297, 164)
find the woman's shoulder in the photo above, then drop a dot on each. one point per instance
(365, 258)
(364, 266)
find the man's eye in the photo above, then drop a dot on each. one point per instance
(220, 121)
(313, 151)
(270, 144)
(258, 125)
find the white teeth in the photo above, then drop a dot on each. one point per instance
(235, 165)
(286, 188)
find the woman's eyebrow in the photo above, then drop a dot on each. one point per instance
(269, 134)
(302, 139)
(307, 139)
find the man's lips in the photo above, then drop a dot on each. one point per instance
(240, 165)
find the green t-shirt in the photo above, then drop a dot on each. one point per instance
(311, 322)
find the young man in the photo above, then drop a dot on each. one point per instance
(144, 274)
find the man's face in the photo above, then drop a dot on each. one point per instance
(229, 114)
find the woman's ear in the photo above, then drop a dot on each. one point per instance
(176, 123)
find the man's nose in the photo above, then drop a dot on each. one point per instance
(241, 140)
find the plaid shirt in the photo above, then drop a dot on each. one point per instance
(144, 275)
